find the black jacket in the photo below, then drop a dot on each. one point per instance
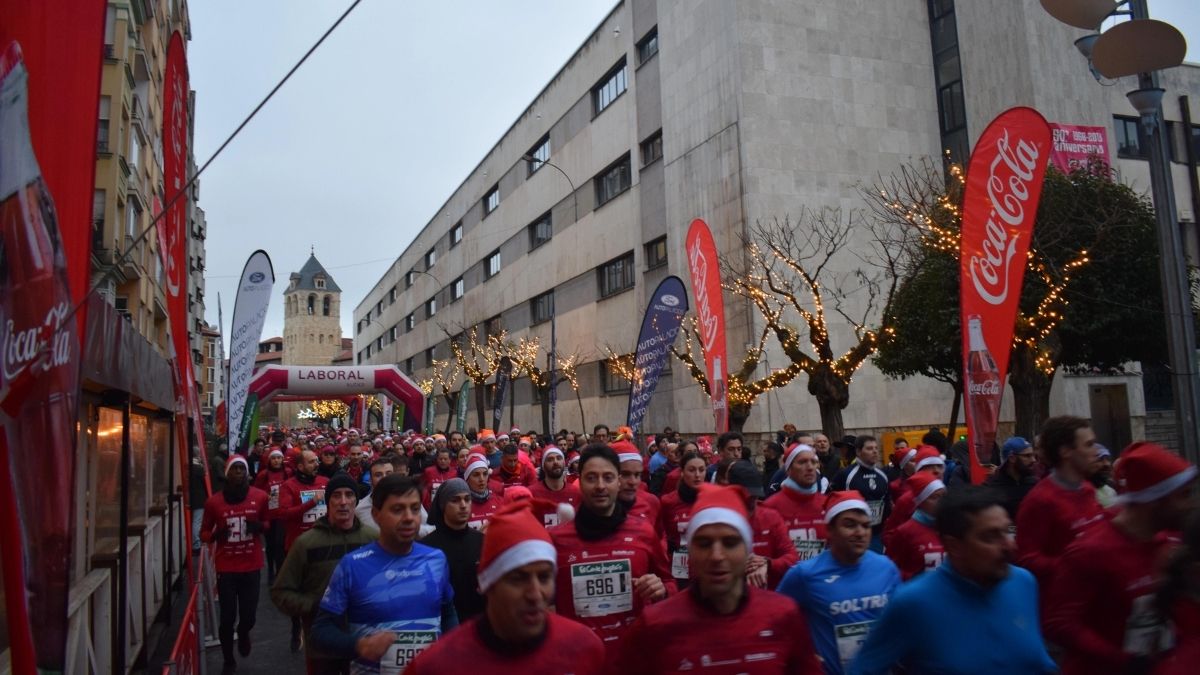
(1011, 491)
(463, 549)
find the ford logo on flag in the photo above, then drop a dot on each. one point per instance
(670, 300)
(257, 277)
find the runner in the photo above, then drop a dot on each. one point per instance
(844, 590)
(512, 470)
(675, 512)
(269, 479)
(391, 599)
(310, 563)
(1063, 504)
(976, 613)
(553, 486)
(451, 511)
(1101, 609)
(433, 477)
(865, 477)
(633, 495)
(915, 546)
(927, 461)
(484, 500)
(233, 518)
(801, 501)
(609, 566)
(721, 624)
(301, 504)
(517, 634)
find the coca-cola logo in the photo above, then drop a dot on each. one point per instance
(1008, 190)
(40, 347)
(989, 387)
(704, 312)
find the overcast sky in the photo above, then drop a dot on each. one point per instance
(370, 137)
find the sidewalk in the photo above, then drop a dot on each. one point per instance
(271, 637)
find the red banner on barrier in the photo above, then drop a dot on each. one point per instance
(1004, 183)
(710, 315)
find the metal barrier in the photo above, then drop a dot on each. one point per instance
(197, 630)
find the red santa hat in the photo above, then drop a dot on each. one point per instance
(502, 437)
(476, 461)
(1147, 472)
(551, 450)
(514, 539)
(626, 451)
(922, 486)
(721, 505)
(841, 502)
(927, 455)
(272, 453)
(236, 459)
(515, 431)
(486, 435)
(795, 451)
(906, 457)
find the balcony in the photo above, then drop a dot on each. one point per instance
(110, 53)
(141, 64)
(102, 148)
(130, 264)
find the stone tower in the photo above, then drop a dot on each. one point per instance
(312, 324)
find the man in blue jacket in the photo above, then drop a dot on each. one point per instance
(983, 610)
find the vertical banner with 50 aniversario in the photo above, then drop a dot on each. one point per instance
(710, 315)
(49, 93)
(1004, 184)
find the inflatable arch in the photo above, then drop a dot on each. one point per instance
(338, 381)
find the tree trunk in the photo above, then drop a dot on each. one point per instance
(582, 420)
(738, 414)
(833, 395)
(512, 406)
(546, 413)
(450, 415)
(480, 400)
(1031, 393)
(952, 428)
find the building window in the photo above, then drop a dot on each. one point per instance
(429, 356)
(394, 332)
(492, 267)
(408, 365)
(648, 46)
(320, 283)
(456, 234)
(133, 220)
(457, 289)
(430, 308)
(539, 153)
(541, 307)
(312, 304)
(610, 87)
(540, 231)
(616, 275)
(610, 378)
(378, 343)
(368, 350)
(409, 322)
(430, 259)
(102, 124)
(1132, 142)
(392, 295)
(656, 253)
(613, 181)
(652, 148)
(325, 306)
(492, 327)
(491, 201)
(947, 72)
(408, 278)
(379, 309)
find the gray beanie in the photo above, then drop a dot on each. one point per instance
(446, 491)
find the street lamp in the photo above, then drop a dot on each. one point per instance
(535, 163)
(1141, 47)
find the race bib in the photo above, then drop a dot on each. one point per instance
(550, 519)
(477, 524)
(317, 512)
(273, 499)
(433, 491)
(408, 644)
(850, 639)
(237, 529)
(876, 511)
(932, 560)
(602, 588)
(679, 563)
(1146, 634)
(806, 542)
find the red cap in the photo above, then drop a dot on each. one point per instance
(922, 486)
(626, 451)
(1148, 472)
(514, 538)
(927, 455)
(841, 502)
(723, 505)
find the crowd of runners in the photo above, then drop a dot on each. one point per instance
(520, 553)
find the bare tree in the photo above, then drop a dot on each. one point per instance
(479, 360)
(526, 354)
(445, 383)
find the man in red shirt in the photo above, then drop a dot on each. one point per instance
(721, 620)
(433, 476)
(772, 552)
(270, 477)
(553, 485)
(234, 518)
(638, 501)
(512, 470)
(915, 546)
(927, 461)
(517, 634)
(801, 501)
(485, 500)
(301, 505)
(1102, 606)
(1063, 504)
(610, 567)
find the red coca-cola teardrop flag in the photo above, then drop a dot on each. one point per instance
(1004, 183)
(710, 315)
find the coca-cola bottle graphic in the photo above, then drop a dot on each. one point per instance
(983, 391)
(39, 371)
(720, 400)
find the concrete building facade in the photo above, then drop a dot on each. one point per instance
(736, 113)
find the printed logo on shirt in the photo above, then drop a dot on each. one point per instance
(833, 578)
(858, 604)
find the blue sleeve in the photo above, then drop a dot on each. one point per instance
(793, 586)
(887, 645)
(330, 638)
(334, 600)
(449, 617)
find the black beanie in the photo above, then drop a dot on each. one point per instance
(341, 480)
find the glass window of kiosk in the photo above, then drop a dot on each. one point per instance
(104, 481)
(139, 468)
(163, 458)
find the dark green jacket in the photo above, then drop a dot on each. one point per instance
(305, 573)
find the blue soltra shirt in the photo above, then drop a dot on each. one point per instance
(373, 590)
(842, 602)
(941, 622)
